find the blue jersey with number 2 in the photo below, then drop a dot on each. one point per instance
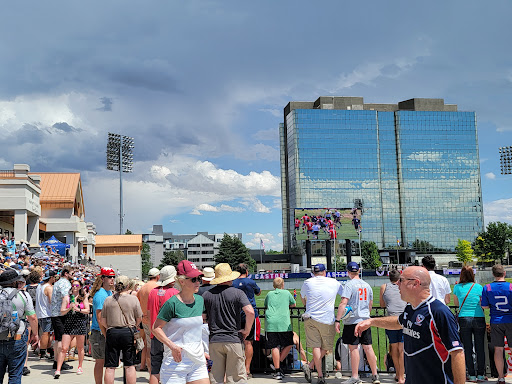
(498, 297)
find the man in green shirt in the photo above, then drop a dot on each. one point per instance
(278, 325)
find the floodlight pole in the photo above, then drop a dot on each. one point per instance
(121, 185)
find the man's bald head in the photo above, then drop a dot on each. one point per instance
(419, 273)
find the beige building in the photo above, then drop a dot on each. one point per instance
(36, 206)
(120, 252)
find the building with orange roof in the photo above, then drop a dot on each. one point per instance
(36, 206)
(120, 252)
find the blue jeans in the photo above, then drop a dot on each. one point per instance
(473, 328)
(12, 358)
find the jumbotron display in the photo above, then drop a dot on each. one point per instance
(327, 223)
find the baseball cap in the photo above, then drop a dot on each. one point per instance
(352, 266)
(48, 274)
(107, 272)
(153, 272)
(188, 269)
(318, 268)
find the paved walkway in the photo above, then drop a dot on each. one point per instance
(41, 373)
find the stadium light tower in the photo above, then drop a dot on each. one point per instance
(120, 158)
(506, 160)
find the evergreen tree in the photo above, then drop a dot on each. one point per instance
(146, 260)
(234, 252)
(370, 255)
(465, 253)
(171, 258)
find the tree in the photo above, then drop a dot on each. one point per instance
(145, 256)
(370, 255)
(272, 252)
(171, 258)
(465, 253)
(493, 242)
(128, 232)
(234, 252)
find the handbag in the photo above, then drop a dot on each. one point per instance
(137, 338)
(463, 301)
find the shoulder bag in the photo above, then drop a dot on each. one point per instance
(137, 339)
(463, 301)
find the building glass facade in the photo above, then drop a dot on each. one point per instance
(415, 171)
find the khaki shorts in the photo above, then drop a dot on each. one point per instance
(228, 359)
(319, 335)
(147, 334)
(97, 341)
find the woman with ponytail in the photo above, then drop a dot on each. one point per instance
(120, 315)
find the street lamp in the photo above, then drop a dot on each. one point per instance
(120, 158)
(506, 160)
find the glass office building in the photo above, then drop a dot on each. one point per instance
(414, 167)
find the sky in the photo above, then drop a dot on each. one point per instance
(201, 87)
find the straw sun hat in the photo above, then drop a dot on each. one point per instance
(224, 273)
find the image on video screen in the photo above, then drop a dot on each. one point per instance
(327, 223)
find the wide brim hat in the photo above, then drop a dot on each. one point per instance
(224, 273)
(167, 275)
(9, 277)
(208, 274)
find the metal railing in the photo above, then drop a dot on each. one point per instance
(380, 345)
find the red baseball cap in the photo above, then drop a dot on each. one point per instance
(107, 272)
(188, 269)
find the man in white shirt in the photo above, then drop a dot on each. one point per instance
(439, 285)
(318, 294)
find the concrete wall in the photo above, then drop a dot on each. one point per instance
(129, 265)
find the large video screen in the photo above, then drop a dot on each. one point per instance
(327, 223)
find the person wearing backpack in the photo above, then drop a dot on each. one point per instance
(13, 332)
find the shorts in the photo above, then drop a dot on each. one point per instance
(97, 341)
(183, 372)
(157, 355)
(498, 333)
(45, 325)
(228, 361)
(147, 334)
(255, 332)
(319, 335)
(337, 350)
(395, 335)
(279, 339)
(119, 340)
(58, 326)
(351, 339)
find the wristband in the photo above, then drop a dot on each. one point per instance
(336, 321)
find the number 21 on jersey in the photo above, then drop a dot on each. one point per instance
(363, 294)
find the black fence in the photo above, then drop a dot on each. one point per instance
(262, 361)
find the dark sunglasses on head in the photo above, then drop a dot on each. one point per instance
(195, 279)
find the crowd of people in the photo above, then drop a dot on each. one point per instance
(185, 325)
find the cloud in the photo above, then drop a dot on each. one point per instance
(273, 111)
(65, 127)
(107, 104)
(490, 175)
(270, 240)
(210, 208)
(498, 210)
(504, 129)
(256, 205)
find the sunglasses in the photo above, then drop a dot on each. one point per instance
(109, 277)
(195, 279)
(402, 279)
(76, 285)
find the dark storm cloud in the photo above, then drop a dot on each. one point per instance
(107, 104)
(141, 78)
(27, 134)
(65, 127)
